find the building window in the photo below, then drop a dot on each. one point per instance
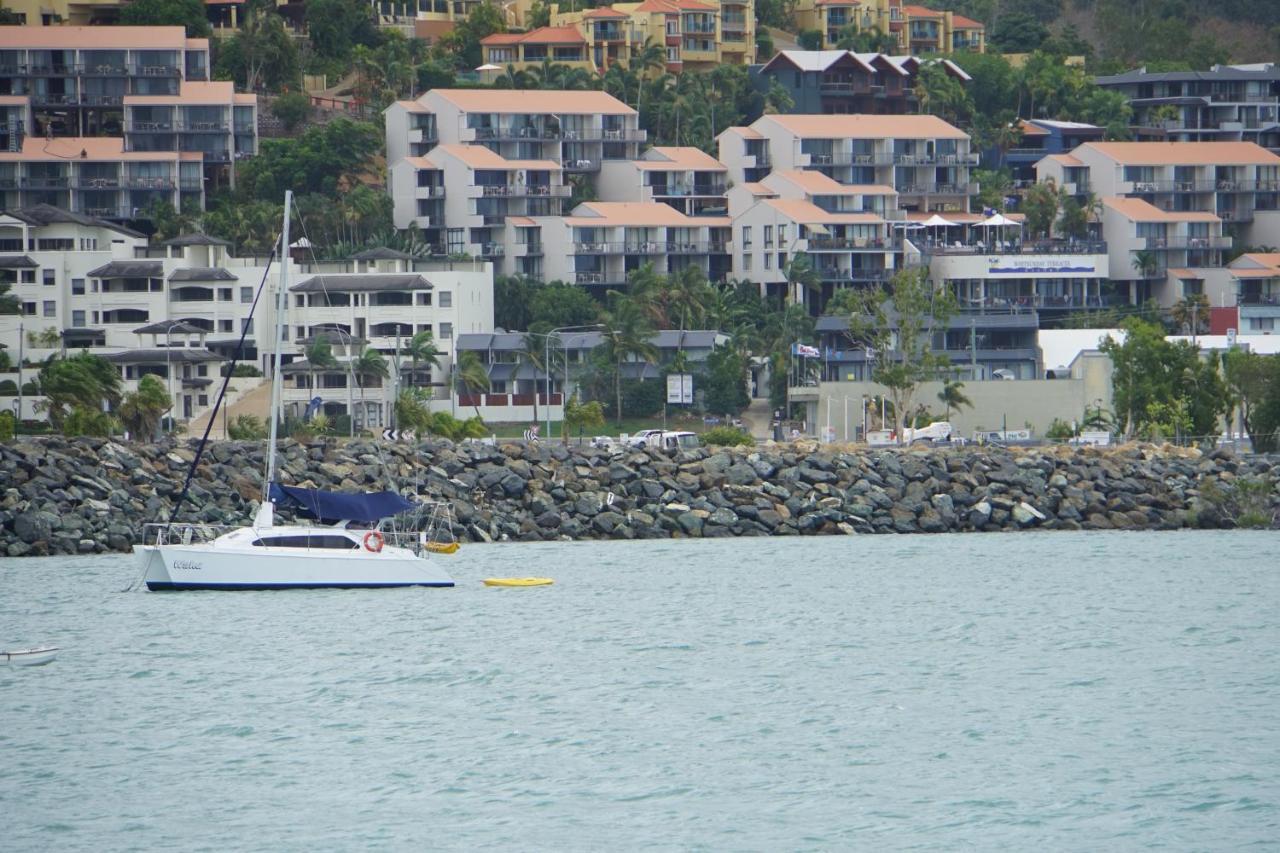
(50, 277)
(746, 262)
(224, 294)
(29, 309)
(424, 327)
(88, 244)
(27, 276)
(246, 295)
(224, 326)
(299, 301)
(746, 237)
(446, 299)
(77, 286)
(768, 261)
(768, 236)
(77, 320)
(50, 308)
(202, 370)
(782, 236)
(446, 331)
(424, 299)
(299, 332)
(1262, 324)
(246, 325)
(456, 240)
(203, 399)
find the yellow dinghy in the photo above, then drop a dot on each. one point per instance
(518, 581)
(443, 547)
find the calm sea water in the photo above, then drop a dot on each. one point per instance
(1072, 691)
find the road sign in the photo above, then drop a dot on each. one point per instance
(398, 434)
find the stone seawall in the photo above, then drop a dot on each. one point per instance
(65, 496)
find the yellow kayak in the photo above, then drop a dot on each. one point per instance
(518, 581)
(443, 547)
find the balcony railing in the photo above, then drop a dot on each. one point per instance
(686, 190)
(156, 71)
(1247, 186)
(1175, 243)
(581, 165)
(105, 69)
(938, 189)
(46, 182)
(150, 127)
(148, 183)
(88, 183)
(1078, 247)
(1259, 299)
(429, 192)
(844, 87)
(852, 276)
(652, 247)
(107, 212)
(492, 250)
(204, 126)
(57, 69)
(1175, 187)
(828, 244)
(556, 190)
(556, 134)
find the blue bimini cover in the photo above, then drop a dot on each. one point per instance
(332, 507)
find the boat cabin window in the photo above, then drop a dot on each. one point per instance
(341, 543)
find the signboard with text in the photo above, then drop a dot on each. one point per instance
(680, 388)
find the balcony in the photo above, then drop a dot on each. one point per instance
(661, 190)
(938, 189)
(552, 190)
(1178, 243)
(855, 276)
(105, 69)
(44, 69)
(1259, 300)
(108, 212)
(492, 250)
(1176, 186)
(150, 127)
(435, 191)
(204, 126)
(60, 99)
(216, 156)
(1079, 247)
(933, 160)
(841, 244)
(845, 87)
(581, 165)
(97, 183)
(52, 182)
(155, 71)
(598, 278)
(148, 183)
(1247, 186)
(191, 184)
(557, 134)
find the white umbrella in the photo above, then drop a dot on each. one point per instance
(937, 221)
(999, 219)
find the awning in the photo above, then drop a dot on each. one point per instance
(332, 507)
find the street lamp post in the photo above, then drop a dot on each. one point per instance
(17, 424)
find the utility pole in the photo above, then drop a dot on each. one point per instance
(17, 424)
(973, 349)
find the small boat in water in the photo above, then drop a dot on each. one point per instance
(518, 581)
(30, 657)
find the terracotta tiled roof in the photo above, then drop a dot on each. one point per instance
(1184, 153)
(587, 102)
(94, 148)
(479, 157)
(214, 93)
(663, 157)
(1066, 159)
(920, 12)
(609, 213)
(816, 183)
(604, 12)
(866, 126)
(542, 35)
(960, 22)
(806, 212)
(1137, 210)
(101, 38)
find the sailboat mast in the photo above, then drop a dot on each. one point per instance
(277, 380)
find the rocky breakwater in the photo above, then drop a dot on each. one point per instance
(64, 496)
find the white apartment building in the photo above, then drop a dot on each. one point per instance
(577, 131)
(688, 179)
(1238, 182)
(1158, 252)
(926, 160)
(381, 308)
(601, 243)
(474, 189)
(98, 177)
(177, 310)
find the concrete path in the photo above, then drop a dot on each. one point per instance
(255, 402)
(758, 418)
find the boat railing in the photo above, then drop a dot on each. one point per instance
(182, 533)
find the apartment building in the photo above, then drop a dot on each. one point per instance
(918, 29)
(98, 177)
(926, 160)
(601, 243)
(688, 179)
(500, 153)
(696, 34)
(1251, 292)
(560, 45)
(1237, 182)
(1224, 104)
(1157, 252)
(841, 229)
(464, 193)
(77, 77)
(205, 117)
(381, 309)
(843, 82)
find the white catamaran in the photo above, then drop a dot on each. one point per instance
(355, 541)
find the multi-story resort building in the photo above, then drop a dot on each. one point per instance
(1224, 104)
(1248, 291)
(840, 81)
(688, 179)
(918, 29)
(1040, 138)
(85, 107)
(97, 177)
(178, 309)
(1226, 185)
(923, 158)
(462, 161)
(76, 78)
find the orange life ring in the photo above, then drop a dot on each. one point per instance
(373, 541)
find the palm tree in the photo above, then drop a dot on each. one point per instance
(627, 334)
(534, 353)
(369, 364)
(471, 374)
(1146, 263)
(801, 276)
(421, 348)
(953, 397)
(652, 56)
(319, 357)
(9, 304)
(1192, 312)
(688, 294)
(141, 410)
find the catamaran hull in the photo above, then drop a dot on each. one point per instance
(179, 567)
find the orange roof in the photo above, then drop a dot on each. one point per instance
(960, 22)
(14, 100)
(816, 183)
(657, 6)
(1137, 210)
(213, 93)
(756, 188)
(1180, 272)
(97, 38)
(606, 214)
(671, 158)
(412, 106)
(806, 212)
(694, 6)
(479, 157)
(1029, 129)
(1066, 159)
(857, 126)
(1184, 153)
(744, 132)
(421, 163)
(502, 38)
(93, 148)
(521, 221)
(1268, 265)
(586, 102)
(836, 3)
(604, 12)
(920, 12)
(550, 35)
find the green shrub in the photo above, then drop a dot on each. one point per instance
(8, 388)
(247, 428)
(292, 108)
(727, 436)
(242, 370)
(7, 424)
(1059, 430)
